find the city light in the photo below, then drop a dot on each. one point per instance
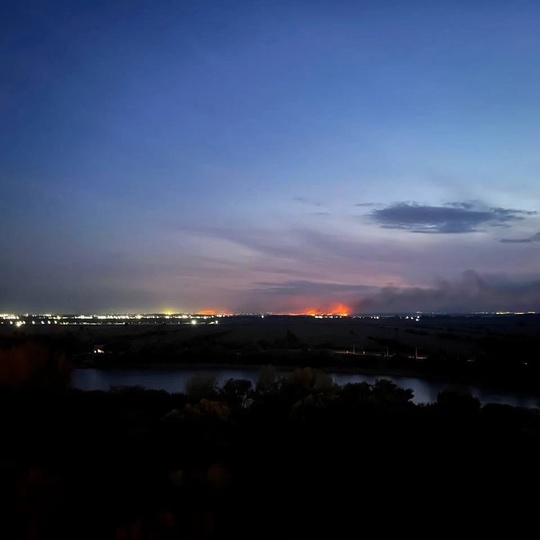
(338, 311)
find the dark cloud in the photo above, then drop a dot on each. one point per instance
(531, 239)
(453, 217)
(367, 204)
(469, 293)
(506, 211)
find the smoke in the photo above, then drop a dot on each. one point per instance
(470, 292)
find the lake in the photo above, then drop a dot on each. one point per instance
(170, 380)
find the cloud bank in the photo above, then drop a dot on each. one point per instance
(455, 217)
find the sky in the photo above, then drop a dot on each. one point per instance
(269, 156)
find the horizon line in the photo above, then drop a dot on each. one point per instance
(208, 314)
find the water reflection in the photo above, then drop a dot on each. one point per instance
(175, 381)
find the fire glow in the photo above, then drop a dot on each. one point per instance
(340, 310)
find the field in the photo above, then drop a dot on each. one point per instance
(502, 349)
(458, 335)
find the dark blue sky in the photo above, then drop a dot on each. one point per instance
(269, 156)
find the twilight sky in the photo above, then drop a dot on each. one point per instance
(269, 155)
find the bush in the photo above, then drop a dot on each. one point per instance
(33, 364)
(202, 387)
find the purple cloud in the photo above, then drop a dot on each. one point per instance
(453, 218)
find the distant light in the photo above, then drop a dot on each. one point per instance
(193, 321)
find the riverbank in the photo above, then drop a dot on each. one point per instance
(443, 379)
(176, 379)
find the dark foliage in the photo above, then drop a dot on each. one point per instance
(291, 458)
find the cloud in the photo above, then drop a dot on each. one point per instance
(257, 267)
(471, 292)
(463, 205)
(455, 217)
(314, 249)
(306, 202)
(531, 239)
(367, 204)
(302, 287)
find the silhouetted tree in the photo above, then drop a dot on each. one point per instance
(236, 391)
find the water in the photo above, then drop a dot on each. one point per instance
(175, 381)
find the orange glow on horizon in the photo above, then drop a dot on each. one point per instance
(340, 309)
(336, 309)
(311, 312)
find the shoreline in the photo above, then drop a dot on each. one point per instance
(368, 371)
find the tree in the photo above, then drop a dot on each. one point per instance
(236, 391)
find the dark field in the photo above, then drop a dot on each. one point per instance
(498, 350)
(459, 335)
(293, 457)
